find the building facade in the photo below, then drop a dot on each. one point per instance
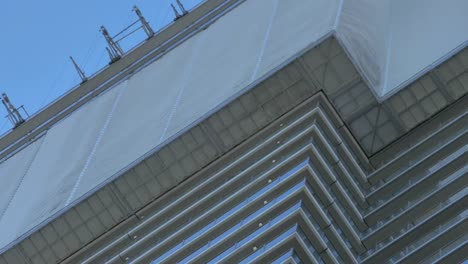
(212, 143)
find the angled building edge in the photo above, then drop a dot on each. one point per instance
(305, 167)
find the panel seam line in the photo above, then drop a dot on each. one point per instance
(12, 196)
(95, 146)
(187, 74)
(265, 40)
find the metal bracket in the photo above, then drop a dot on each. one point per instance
(176, 12)
(14, 115)
(78, 69)
(146, 27)
(114, 50)
(181, 6)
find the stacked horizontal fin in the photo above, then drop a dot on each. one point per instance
(295, 191)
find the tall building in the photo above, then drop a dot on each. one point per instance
(255, 131)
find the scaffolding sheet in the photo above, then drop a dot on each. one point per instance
(59, 163)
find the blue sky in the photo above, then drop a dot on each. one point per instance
(37, 38)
